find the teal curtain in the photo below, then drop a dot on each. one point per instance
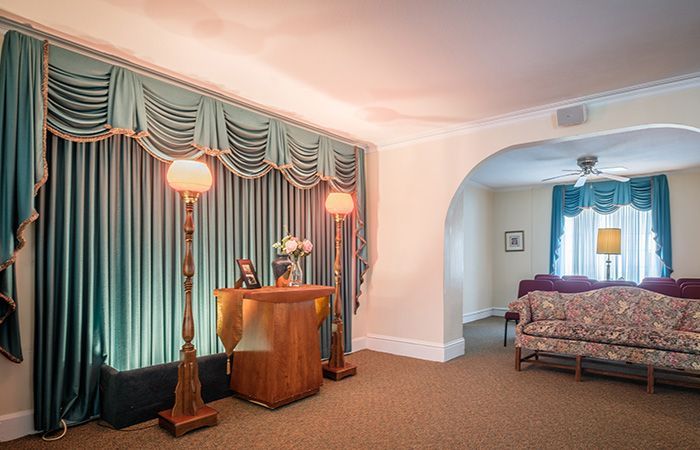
(109, 263)
(22, 170)
(643, 193)
(44, 87)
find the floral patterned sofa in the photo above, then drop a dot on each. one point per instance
(616, 323)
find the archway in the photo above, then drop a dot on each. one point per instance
(478, 273)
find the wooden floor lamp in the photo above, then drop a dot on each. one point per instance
(339, 204)
(189, 178)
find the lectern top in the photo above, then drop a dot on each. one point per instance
(280, 294)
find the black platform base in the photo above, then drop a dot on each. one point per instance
(134, 396)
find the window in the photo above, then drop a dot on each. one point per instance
(638, 259)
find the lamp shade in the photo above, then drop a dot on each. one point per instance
(339, 203)
(608, 241)
(190, 176)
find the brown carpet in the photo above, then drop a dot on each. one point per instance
(476, 401)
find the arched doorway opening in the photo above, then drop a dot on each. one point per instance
(504, 193)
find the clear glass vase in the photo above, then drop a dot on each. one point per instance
(296, 275)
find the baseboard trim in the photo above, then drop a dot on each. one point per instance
(17, 424)
(476, 315)
(483, 314)
(414, 348)
(454, 349)
(359, 343)
(499, 312)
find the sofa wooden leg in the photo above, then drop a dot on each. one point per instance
(518, 352)
(578, 368)
(650, 379)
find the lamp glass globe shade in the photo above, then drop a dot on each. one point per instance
(190, 176)
(339, 203)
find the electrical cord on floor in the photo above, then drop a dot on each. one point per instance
(55, 438)
(103, 424)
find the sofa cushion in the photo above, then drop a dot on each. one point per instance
(691, 318)
(608, 306)
(659, 311)
(669, 340)
(625, 306)
(547, 305)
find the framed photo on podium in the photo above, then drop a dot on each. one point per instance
(248, 274)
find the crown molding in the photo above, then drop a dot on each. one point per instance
(626, 93)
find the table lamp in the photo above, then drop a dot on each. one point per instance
(339, 204)
(608, 244)
(189, 178)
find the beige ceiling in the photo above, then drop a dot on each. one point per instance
(391, 70)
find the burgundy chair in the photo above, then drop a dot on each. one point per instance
(575, 277)
(682, 281)
(572, 286)
(525, 287)
(604, 284)
(665, 288)
(691, 291)
(659, 280)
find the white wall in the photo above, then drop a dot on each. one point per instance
(529, 210)
(414, 184)
(16, 400)
(469, 255)
(684, 189)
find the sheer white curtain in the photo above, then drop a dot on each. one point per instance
(638, 258)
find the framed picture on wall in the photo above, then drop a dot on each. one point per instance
(515, 241)
(248, 273)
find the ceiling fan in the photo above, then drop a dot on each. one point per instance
(587, 169)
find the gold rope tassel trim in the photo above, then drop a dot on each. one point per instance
(79, 139)
(211, 151)
(45, 100)
(13, 306)
(9, 356)
(126, 132)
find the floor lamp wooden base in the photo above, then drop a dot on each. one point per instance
(336, 368)
(338, 373)
(177, 426)
(189, 412)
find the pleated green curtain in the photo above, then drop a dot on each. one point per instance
(22, 171)
(109, 263)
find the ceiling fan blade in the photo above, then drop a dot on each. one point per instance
(581, 181)
(559, 176)
(613, 177)
(571, 170)
(613, 169)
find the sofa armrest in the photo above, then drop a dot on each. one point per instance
(522, 307)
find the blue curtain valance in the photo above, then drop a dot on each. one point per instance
(643, 193)
(90, 100)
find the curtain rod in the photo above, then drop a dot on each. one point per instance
(26, 28)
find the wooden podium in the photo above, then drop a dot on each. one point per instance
(278, 359)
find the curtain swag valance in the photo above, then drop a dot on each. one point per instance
(644, 194)
(44, 87)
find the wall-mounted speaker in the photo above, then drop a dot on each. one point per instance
(573, 115)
